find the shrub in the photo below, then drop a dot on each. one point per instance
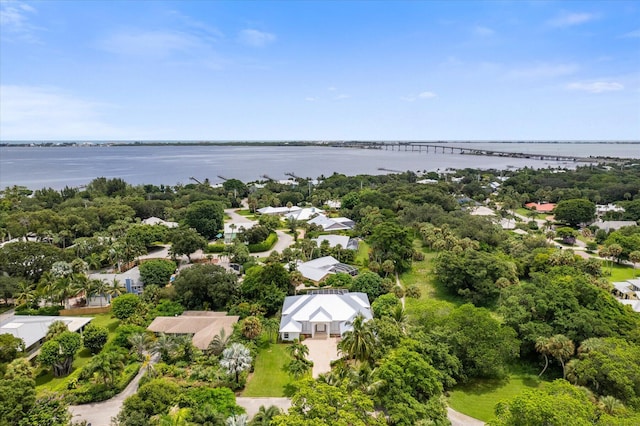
(265, 245)
(157, 272)
(413, 292)
(95, 337)
(124, 306)
(123, 333)
(215, 248)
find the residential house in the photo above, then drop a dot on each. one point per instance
(232, 229)
(157, 221)
(541, 207)
(33, 329)
(318, 269)
(130, 280)
(278, 211)
(613, 225)
(343, 241)
(324, 313)
(602, 209)
(332, 223)
(628, 293)
(202, 325)
(304, 214)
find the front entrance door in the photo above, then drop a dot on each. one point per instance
(321, 328)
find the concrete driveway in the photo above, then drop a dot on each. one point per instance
(322, 350)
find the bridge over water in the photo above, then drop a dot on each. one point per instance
(430, 147)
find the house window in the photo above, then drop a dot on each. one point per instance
(286, 336)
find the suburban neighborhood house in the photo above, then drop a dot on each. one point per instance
(613, 225)
(541, 207)
(337, 240)
(278, 211)
(33, 329)
(203, 325)
(628, 293)
(157, 221)
(232, 229)
(321, 314)
(304, 214)
(318, 269)
(332, 223)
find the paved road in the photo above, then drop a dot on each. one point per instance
(459, 419)
(100, 413)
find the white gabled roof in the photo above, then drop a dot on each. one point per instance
(333, 240)
(33, 328)
(340, 308)
(304, 214)
(157, 221)
(278, 210)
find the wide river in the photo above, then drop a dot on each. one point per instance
(57, 167)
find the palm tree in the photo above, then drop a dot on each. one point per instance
(236, 359)
(176, 417)
(299, 365)
(237, 420)
(358, 343)
(610, 405)
(100, 288)
(219, 342)
(559, 346)
(46, 287)
(94, 261)
(615, 250)
(164, 345)
(26, 294)
(542, 346)
(107, 366)
(251, 327)
(264, 416)
(271, 327)
(139, 343)
(399, 316)
(116, 289)
(634, 257)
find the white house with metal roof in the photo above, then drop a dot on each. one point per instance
(33, 329)
(332, 223)
(318, 269)
(304, 214)
(343, 241)
(278, 210)
(319, 313)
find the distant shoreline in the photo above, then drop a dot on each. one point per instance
(332, 143)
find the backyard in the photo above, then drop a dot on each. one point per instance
(269, 377)
(44, 378)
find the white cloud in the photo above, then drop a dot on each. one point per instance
(543, 71)
(483, 31)
(15, 21)
(571, 19)
(427, 95)
(342, 96)
(149, 43)
(31, 112)
(255, 38)
(421, 95)
(632, 34)
(596, 86)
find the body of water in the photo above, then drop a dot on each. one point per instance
(56, 167)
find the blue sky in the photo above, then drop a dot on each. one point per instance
(260, 70)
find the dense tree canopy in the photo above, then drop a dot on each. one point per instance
(205, 286)
(206, 217)
(575, 212)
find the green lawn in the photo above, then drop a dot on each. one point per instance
(247, 213)
(526, 212)
(619, 272)
(45, 380)
(269, 377)
(478, 399)
(420, 276)
(362, 257)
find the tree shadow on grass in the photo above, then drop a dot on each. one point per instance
(479, 387)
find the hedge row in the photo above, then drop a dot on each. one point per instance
(215, 248)
(44, 310)
(265, 245)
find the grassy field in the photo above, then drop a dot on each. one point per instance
(45, 380)
(619, 272)
(526, 212)
(246, 213)
(420, 276)
(269, 377)
(362, 257)
(478, 399)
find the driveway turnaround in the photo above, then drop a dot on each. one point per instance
(322, 350)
